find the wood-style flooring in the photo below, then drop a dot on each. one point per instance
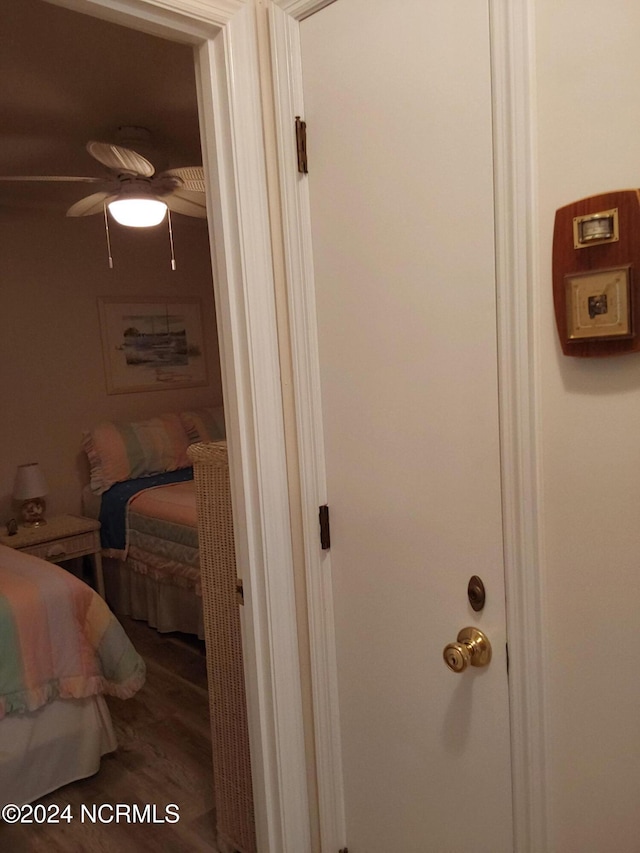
(164, 756)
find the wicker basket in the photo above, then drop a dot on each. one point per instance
(227, 701)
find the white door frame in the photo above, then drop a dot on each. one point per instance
(228, 70)
(512, 51)
(223, 33)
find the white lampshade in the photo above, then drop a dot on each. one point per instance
(138, 212)
(29, 482)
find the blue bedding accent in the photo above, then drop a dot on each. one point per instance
(113, 508)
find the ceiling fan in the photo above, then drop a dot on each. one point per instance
(134, 187)
(134, 194)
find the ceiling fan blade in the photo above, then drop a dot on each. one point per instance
(61, 178)
(120, 159)
(191, 177)
(186, 202)
(89, 205)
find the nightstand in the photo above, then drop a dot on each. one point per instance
(63, 537)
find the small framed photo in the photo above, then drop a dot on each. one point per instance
(596, 228)
(152, 344)
(599, 304)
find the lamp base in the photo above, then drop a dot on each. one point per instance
(32, 512)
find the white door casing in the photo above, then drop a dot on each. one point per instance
(511, 49)
(248, 336)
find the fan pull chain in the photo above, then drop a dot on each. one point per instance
(106, 230)
(173, 259)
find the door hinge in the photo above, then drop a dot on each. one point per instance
(506, 645)
(301, 145)
(239, 591)
(325, 532)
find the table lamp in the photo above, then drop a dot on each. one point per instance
(30, 488)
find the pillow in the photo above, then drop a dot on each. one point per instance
(124, 451)
(204, 424)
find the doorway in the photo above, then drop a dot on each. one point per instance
(226, 61)
(510, 36)
(235, 161)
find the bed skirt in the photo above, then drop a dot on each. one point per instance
(163, 605)
(53, 746)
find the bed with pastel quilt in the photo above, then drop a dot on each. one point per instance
(142, 492)
(61, 651)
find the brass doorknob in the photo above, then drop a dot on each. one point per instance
(472, 648)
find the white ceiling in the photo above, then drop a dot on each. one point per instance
(66, 78)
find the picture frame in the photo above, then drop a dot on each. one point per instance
(594, 229)
(152, 344)
(598, 304)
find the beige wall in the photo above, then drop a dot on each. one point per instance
(588, 67)
(53, 384)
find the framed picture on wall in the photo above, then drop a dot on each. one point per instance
(599, 304)
(152, 344)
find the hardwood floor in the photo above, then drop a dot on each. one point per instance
(164, 757)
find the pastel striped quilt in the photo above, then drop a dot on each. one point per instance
(58, 638)
(163, 535)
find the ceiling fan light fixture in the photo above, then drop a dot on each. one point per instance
(138, 212)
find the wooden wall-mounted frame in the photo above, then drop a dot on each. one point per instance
(596, 248)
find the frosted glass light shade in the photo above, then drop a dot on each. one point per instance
(29, 482)
(138, 212)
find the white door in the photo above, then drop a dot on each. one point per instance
(398, 111)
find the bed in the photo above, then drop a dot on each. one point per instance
(142, 492)
(62, 651)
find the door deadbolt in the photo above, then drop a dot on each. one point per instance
(476, 593)
(473, 648)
